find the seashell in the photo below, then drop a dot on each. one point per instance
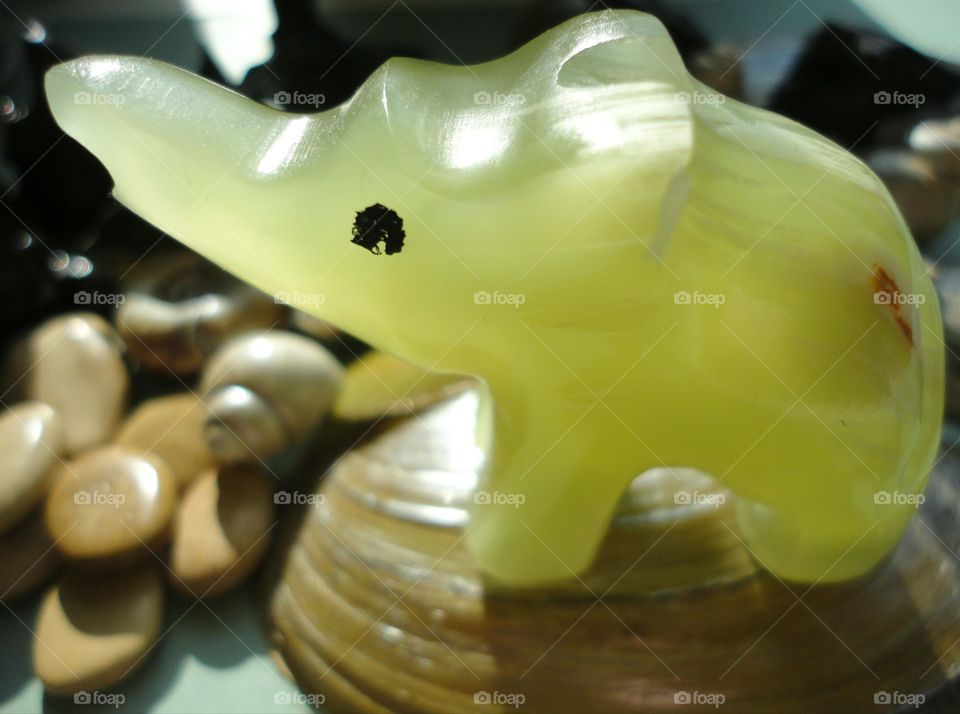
(719, 67)
(946, 280)
(178, 309)
(171, 427)
(378, 605)
(28, 557)
(31, 442)
(221, 530)
(266, 391)
(926, 200)
(93, 631)
(73, 363)
(110, 507)
(938, 142)
(242, 426)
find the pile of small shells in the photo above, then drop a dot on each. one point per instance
(115, 503)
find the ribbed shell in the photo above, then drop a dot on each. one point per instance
(378, 607)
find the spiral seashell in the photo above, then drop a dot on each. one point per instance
(379, 607)
(178, 310)
(241, 425)
(266, 391)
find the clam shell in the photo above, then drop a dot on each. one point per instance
(378, 606)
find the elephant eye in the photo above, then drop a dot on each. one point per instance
(378, 224)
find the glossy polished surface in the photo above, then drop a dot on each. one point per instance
(172, 428)
(643, 272)
(73, 362)
(380, 607)
(264, 391)
(31, 441)
(110, 506)
(177, 310)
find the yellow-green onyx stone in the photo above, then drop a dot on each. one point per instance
(642, 271)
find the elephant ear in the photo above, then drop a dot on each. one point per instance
(621, 122)
(621, 49)
(601, 88)
(628, 96)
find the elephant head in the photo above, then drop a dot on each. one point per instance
(642, 271)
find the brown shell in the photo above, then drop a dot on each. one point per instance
(379, 608)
